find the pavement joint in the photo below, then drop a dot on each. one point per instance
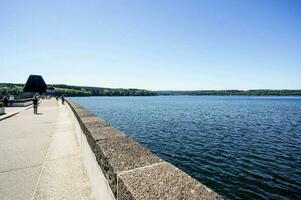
(21, 168)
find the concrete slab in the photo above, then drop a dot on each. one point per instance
(11, 111)
(122, 154)
(25, 124)
(63, 179)
(162, 181)
(63, 144)
(24, 152)
(63, 128)
(40, 157)
(19, 184)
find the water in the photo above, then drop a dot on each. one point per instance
(242, 147)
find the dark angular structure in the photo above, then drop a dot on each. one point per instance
(35, 84)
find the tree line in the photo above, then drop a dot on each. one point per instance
(68, 90)
(263, 92)
(60, 89)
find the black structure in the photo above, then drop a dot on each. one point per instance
(35, 84)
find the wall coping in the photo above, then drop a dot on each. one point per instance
(131, 170)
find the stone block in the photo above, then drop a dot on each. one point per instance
(122, 154)
(106, 132)
(96, 134)
(162, 181)
(83, 113)
(93, 122)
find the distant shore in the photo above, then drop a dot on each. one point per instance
(68, 90)
(263, 92)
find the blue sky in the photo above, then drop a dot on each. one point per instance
(155, 44)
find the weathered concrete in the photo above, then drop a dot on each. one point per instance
(40, 156)
(122, 154)
(164, 181)
(2, 109)
(132, 171)
(100, 187)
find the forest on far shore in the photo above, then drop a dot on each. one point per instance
(233, 92)
(17, 89)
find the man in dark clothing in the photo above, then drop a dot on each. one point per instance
(63, 99)
(35, 101)
(5, 101)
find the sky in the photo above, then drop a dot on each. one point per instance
(153, 44)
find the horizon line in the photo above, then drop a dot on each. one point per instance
(158, 90)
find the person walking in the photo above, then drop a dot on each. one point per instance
(63, 99)
(11, 100)
(5, 101)
(35, 102)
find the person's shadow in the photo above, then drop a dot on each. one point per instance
(39, 113)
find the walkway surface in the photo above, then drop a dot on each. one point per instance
(10, 111)
(40, 156)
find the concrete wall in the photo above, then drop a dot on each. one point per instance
(99, 184)
(22, 104)
(120, 168)
(2, 110)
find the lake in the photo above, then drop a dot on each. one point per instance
(241, 147)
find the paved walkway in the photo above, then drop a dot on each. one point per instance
(10, 111)
(40, 156)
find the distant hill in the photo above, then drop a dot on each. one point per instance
(262, 92)
(68, 90)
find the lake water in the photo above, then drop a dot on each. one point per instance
(242, 147)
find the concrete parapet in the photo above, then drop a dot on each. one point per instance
(2, 109)
(22, 104)
(131, 171)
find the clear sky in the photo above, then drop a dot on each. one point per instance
(153, 44)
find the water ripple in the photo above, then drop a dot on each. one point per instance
(242, 147)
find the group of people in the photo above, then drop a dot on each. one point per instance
(9, 101)
(35, 102)
(62, 97)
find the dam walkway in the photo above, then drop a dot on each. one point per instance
(40, 156)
